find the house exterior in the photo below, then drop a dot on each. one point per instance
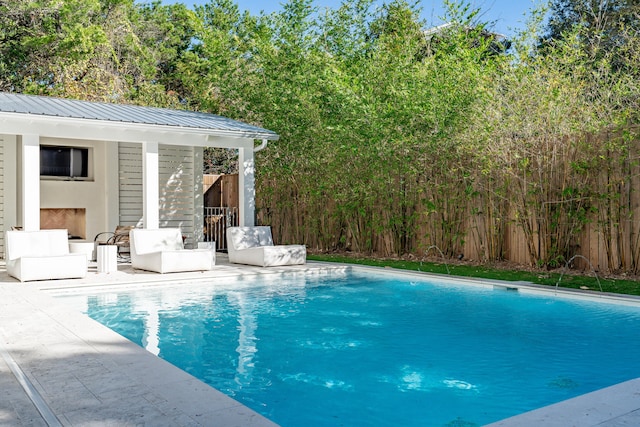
(89, 166)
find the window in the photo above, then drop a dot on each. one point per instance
(64, 162)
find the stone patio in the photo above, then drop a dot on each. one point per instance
(81, 373)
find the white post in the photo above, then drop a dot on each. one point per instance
(31, 182)
(12, 212)
(112, 186)
(198, 201)
(150, 186)
(246, 187)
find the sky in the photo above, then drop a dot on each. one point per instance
(508, 15)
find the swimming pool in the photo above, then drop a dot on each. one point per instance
(364, 348)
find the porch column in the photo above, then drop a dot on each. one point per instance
(150, 186)
(30, 182)
(246, 187)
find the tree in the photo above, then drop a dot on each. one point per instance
(104, 50)
(604, 25)
(545, 143)
(220, 161)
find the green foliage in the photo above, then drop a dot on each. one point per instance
(605, 28)
(98, 50)
(603, 21)
(220, 161)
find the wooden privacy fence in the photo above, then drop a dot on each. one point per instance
(604, 226)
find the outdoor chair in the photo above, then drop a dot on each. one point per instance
(254, 246)
(42, 255)
(162, 250)
(119, 238)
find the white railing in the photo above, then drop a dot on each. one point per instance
(216, 221)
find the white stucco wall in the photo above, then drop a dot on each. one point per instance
(89, 194)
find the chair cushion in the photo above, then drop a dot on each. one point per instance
(254, 246)
(249, 237)
(241, 240)
(264, 236)
(40, 243)
(164, 239)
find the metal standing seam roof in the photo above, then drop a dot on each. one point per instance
(132, 114)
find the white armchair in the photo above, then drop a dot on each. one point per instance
(42, 255)
(254, 246)
(163, 251)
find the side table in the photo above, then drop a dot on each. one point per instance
(107, 257)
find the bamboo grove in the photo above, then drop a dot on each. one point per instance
(391, 139)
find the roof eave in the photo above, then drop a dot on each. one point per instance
(49, 125)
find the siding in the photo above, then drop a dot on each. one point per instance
(130, 184)
(177, 185)
(176, 189)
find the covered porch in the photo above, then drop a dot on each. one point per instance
(138, 162)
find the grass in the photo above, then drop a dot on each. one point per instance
(568, 279)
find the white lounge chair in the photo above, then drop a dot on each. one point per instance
(42, 255)
(254, 246)
(163, 251)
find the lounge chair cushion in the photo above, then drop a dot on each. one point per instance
(39, 243)
(254, 246)
(250, 237)
(164, 239)
(162, 251)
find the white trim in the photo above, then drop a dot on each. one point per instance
(226, 142)
(64, 127)
(198, 203)
(31, 182)
(150, 186)
(261, 146)
(246, 187)
(10, 211)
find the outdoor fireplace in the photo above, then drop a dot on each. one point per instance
(72, 219)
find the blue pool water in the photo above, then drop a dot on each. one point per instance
(363, 349)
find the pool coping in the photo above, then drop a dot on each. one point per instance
(520, 286)
(88, 374)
